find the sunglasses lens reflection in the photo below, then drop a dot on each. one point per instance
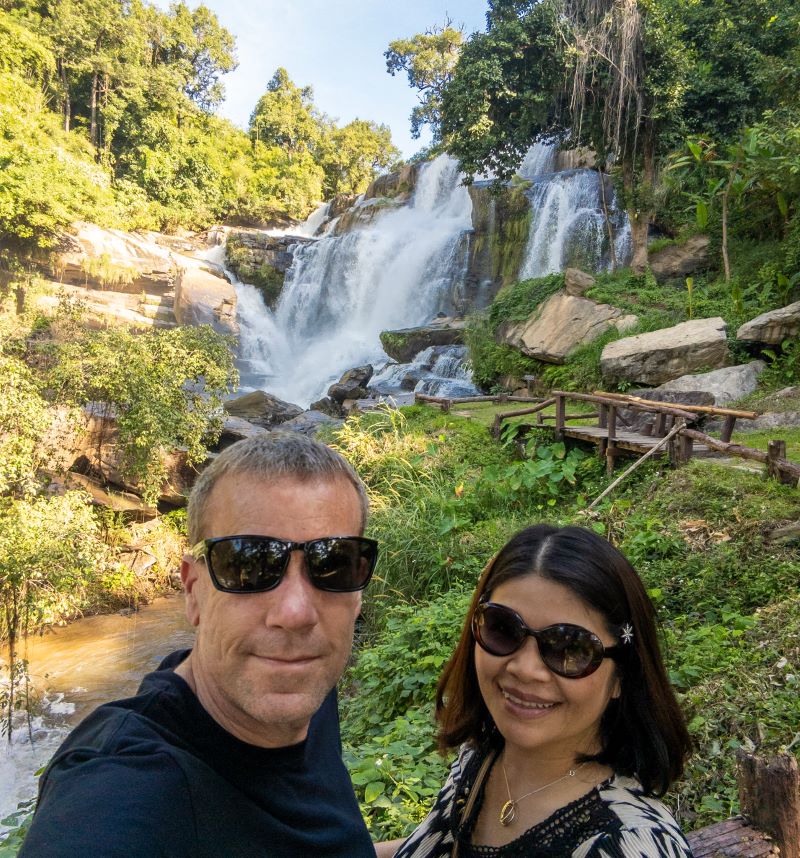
(253, 564)
(567, 650)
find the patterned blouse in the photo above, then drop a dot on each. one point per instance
(614, 820)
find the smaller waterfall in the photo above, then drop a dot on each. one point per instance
(568, 226)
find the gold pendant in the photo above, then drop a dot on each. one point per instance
(508, 812)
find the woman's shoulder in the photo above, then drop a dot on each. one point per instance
(643, 825)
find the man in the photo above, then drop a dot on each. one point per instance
(233, 748)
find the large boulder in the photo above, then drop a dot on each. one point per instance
(666, 354)
(352, 385)
(723, 385)
(262, 409)
(113, 259)
(236, 429)
(560, 325)
(310, 422)
(577, 283)
(582, 158)
(773, 327)
(402, 345)
(204, 298)
(680, 260)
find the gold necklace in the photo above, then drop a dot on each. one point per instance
(508, 812)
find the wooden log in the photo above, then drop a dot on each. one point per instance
(661, 421)
(697, 409)
(684, 448)
(769, 794)
(789, 470)
(602, 420)
(645, 405)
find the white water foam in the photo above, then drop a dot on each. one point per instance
(397, 271)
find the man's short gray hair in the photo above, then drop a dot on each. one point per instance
(273, 455)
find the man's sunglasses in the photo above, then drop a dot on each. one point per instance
(255, 564)
(567, 650)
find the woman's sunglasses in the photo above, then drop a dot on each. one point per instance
(567, 650)
(255, 564)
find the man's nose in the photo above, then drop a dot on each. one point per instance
(295, 604)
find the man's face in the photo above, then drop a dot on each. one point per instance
(264, 662)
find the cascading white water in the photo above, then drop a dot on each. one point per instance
(342, 291)
(568, 227)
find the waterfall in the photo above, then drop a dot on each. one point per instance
(399, 270)
(568, 226)
(436, 371)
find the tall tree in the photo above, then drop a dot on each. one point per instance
(285, 116)
(428, 59)
(353, 155)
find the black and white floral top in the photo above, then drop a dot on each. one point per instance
(614, 820)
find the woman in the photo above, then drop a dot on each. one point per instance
(558, 697)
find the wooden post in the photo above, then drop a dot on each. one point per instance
(769, 794)
(775, 450)
(685, 445)
(661, 421)
(561, 413)
(727, 428)
(602, 420)
(611, 449)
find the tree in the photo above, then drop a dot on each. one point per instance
(285, 116)
(630, 78)
(353, 155)
(428, 59)
(163, 388)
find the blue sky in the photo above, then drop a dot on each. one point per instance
(336, 46)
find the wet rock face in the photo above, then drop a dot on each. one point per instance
(203, 298)
(666, 354)
(401, 183)
(261, 260)
(262, 409)
(772, 328)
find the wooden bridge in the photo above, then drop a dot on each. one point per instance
(670, 431)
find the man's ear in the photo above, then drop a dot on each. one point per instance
(191, 586)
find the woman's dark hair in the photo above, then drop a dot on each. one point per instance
(642, 732)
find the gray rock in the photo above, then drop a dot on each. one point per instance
(773, 327)
(577, 282)
(666, 354)
(680, 260)
(309, 422)
(725, 385)
(328, 406)
(633, 420)
(235, 429)
(339, 392)
(561, 324)
(262, 409)
(352, 385)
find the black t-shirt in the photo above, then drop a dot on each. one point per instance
(155, 775)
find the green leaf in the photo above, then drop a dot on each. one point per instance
(373, 790)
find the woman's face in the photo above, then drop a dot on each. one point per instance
(536, 711)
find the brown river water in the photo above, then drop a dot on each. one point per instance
(75, 669)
